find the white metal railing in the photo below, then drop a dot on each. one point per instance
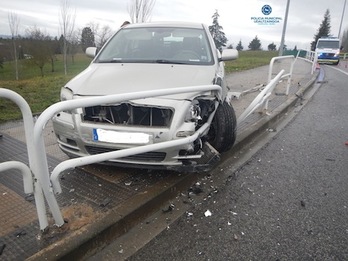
(32, 156)
(287, 75)
(263, 97)
(344, 56)
(36, 147)
(312, 57)
(72, 163)
(260, 99)
(25, 171)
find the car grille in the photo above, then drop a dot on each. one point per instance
(128, 114)
(152, 156)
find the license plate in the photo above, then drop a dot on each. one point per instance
(120, 137)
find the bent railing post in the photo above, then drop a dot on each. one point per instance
(29, 130)
(261, 98)
(72, 163)
(287, 75)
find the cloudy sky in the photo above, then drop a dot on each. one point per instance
(304, 17)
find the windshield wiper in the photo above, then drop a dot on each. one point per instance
(169, 61)
(120, 60)
(113, 60)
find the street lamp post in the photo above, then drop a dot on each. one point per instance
(284, 29)
(344, 7)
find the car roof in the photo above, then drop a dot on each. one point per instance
(167, 24)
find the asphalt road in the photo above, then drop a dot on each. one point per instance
(288, 202)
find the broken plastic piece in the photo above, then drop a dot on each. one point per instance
(207, 213)
(169, 209)
(189, 214)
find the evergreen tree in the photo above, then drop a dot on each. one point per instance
(255, 44)
(217, 33)
(272, 47)
(324, 29)
(240, 46)
(87, 38)
(61, 44)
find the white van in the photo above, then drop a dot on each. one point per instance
(328, 50)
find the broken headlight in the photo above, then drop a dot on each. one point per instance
(194, 112)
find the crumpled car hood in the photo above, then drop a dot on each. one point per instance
(105, 79)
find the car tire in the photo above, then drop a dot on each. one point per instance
(223, 129)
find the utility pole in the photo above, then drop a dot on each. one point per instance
(344, 8)
(284, 28)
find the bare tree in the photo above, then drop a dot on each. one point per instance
(74, 44)
(13, 22)
(38, 46)
(101, 35)
(67, 24)
(140, 10)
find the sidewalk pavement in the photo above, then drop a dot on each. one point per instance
(102, 202)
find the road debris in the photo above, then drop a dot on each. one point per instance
(207, 213)
(169, 208)
(196, 188)
(20, 233)
(232, 212)
(271, 130)
(189, 214)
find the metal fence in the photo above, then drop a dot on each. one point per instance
(263, 97)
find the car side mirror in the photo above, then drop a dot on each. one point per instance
(229, 54)
(91, 52)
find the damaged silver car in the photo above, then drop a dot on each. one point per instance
(152, 56)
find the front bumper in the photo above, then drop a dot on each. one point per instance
(76, 138)
(328, 58)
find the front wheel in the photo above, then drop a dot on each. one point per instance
(223, 129)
